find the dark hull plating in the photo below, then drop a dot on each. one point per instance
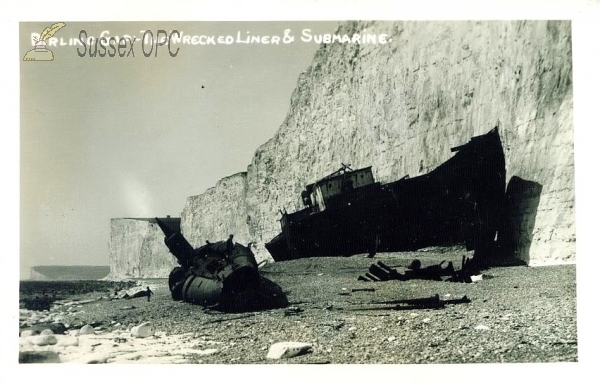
(459, 202)
(215, 278)
(223, 275)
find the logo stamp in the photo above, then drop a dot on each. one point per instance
(41, 52)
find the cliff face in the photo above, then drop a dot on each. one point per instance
(37, 276)
(217, 213)
(400, 107)
(137, 250)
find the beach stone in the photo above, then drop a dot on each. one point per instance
(47, 332)
(86, 330)
(24, 344)
(77, 324)
(25, 314)
(477, 278)
(283, 350)
(143, 330)
(42, 340)
(57, 328)
(26, 333)
(66, 341)
(38, 357)
(96, 359)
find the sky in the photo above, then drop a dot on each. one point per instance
(113, 137)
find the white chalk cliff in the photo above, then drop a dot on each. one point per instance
(400, 107)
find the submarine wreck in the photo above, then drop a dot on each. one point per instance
(347, 212)
(222, 275)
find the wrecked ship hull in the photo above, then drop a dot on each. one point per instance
(347, 230)
(459, 202)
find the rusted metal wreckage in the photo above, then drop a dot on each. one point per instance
(433, 302)
(347, 212)
(222, 274)
(380, 272)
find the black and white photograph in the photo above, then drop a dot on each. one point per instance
(377, 192)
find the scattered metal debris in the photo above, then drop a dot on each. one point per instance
(292, 310)
(227, 319)
(433, 302)
(381, 272)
